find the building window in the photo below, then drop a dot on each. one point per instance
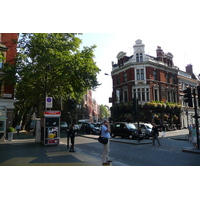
(125, 96)
(156, 95)
(141, 93)
(167, 78)
(118, 96)
(125, 77)
(155, 74)
(168, 96)
(139, 57)
(147, 94)
(174, 99)
(134, 93)
(140, 74)
(118, 79)
(173, 79)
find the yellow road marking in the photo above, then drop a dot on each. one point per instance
(17, 161)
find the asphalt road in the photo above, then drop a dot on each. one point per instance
(168, 154)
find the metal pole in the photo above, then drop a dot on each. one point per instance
(196, 118)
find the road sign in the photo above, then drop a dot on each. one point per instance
(49, 102)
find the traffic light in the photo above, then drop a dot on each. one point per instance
(198, 91)
(71, 104)
(188, 97)
(135, 104)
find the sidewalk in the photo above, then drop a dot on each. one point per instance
(24, 151)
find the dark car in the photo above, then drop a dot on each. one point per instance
(89, 128)
(125, 130)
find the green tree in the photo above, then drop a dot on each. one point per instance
(52, 64)
(104, 112)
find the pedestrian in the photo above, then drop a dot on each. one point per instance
(72, 137)
(194, 135)
(190, 133)
(163, 130)
(155, 134)
(105, 132)
(18, 128)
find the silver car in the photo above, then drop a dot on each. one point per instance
(146, 129)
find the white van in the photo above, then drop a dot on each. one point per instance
(146, 129)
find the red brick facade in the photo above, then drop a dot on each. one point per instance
(8, 49)
(9, 40)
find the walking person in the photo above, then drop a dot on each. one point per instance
(105, 132)
(155, 134)
(72, 137)
(163, 130)
(194, 135)
(18, 128)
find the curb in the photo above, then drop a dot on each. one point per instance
(191, 150)
(119, 141)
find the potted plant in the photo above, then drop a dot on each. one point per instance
(10, 131)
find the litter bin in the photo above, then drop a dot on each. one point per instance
(10, 136)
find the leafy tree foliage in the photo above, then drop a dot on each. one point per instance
(104, 111)
(52, 64)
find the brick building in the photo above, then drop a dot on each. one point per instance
(187, 79)
(147, 78)
(144, 76)
(8, 51)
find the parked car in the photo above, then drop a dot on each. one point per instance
(146, 129)
(125, 129)
(89, 128)
(63, 126)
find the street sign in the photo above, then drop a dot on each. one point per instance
(49, 102)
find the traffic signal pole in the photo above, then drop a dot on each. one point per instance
(196, 117)
(136, 112)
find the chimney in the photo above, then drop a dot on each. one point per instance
(160, 53)
(189, 69)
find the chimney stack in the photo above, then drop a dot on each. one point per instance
(189, 69)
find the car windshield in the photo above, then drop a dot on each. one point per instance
(149, 126)
(130, 126)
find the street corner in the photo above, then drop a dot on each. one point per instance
(191, 150)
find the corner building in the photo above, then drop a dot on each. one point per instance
(146, 77)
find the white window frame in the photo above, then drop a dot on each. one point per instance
(137, 92)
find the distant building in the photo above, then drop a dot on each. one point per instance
(8, 50)
(88, 108)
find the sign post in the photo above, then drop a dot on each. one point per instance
(49, 102)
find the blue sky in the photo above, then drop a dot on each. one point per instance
(182, 45)
(114, 27)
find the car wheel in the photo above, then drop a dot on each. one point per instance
(147, 136)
